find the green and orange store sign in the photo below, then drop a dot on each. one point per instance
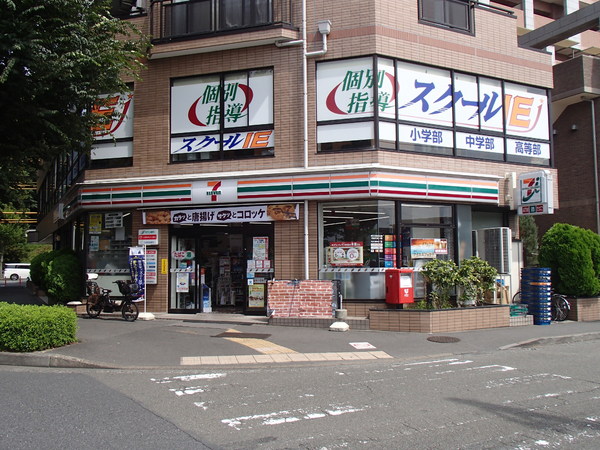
(325, 186)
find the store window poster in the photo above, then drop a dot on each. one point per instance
(95, 226)
(260, 248)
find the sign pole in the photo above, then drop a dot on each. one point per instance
(145, 315)
(145, 272)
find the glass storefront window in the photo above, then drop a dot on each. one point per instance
(361, 240)
(426, 214)
(108, 239)
(354, 235)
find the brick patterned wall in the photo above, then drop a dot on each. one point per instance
(584, 309)
(300, 298)
(440, 321)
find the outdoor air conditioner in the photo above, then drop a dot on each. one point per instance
(494, 246)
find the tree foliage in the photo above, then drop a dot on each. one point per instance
(529, 237)
(56, 58)
(13, 242)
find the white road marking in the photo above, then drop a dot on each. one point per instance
(201, 376)
(187, 391)
(281, 417)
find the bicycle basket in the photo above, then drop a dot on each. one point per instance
(124, 287)
(127, 288)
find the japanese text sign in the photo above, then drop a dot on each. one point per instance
(234, 214)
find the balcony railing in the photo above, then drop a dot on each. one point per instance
(172, 19)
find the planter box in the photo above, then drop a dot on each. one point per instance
(440, 320)
(584, 309)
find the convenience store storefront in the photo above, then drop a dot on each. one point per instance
(220, 259)
(225, 250)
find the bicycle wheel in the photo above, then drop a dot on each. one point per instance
(93, 309)
(560, 308)
(130, 311)
(516, 298)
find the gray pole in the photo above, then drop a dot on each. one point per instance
(595, 153)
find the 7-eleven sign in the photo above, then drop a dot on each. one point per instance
(535, 193)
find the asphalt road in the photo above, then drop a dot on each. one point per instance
(521, 398)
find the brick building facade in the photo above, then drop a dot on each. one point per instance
(238, 187)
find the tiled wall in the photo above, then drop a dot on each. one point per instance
(584, 309)
(437, 321)
(361, 309)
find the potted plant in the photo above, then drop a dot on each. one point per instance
(443, 277)
(475, 276)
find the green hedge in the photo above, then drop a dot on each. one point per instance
(60, 274)
(29, 328)
(38, 267)
(573, 255)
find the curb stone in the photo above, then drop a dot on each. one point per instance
(554, 340)
(46, 360)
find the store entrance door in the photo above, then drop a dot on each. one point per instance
(220, 268)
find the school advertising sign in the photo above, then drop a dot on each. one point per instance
(117, 112)
(434, 100)
(204, 108)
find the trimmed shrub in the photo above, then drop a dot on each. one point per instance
(64, 278)
(38, 268)
(30, 328)
(573, 255)
(60, 274)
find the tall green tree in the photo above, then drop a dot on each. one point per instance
(529, 237)
(13, 243)
(56, 58)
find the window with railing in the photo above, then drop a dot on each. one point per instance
(455, 14)
(184, 18)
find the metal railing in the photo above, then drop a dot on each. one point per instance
(170, 19)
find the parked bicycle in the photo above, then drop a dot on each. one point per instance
(99, 300)
(559, 305)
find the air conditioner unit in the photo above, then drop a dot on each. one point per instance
(494, 246)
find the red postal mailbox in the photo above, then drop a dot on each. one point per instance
(399, 286)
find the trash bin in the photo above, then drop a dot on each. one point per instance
(536, 293)
(399, 286)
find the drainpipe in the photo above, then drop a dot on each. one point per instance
(595, 153)
(324, 29)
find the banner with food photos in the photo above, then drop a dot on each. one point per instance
(233, 214)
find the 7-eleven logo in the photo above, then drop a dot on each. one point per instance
(531, 190)
(214, 190)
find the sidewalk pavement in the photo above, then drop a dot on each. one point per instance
(212, 340)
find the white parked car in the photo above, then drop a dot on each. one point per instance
(15, 271)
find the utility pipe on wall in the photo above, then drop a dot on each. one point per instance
(324, 29)
(595, 155)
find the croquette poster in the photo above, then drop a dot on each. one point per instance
(234, 214)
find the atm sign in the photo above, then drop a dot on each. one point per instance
(148, 237)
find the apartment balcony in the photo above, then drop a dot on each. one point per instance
(182, 27)
(587, 42)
